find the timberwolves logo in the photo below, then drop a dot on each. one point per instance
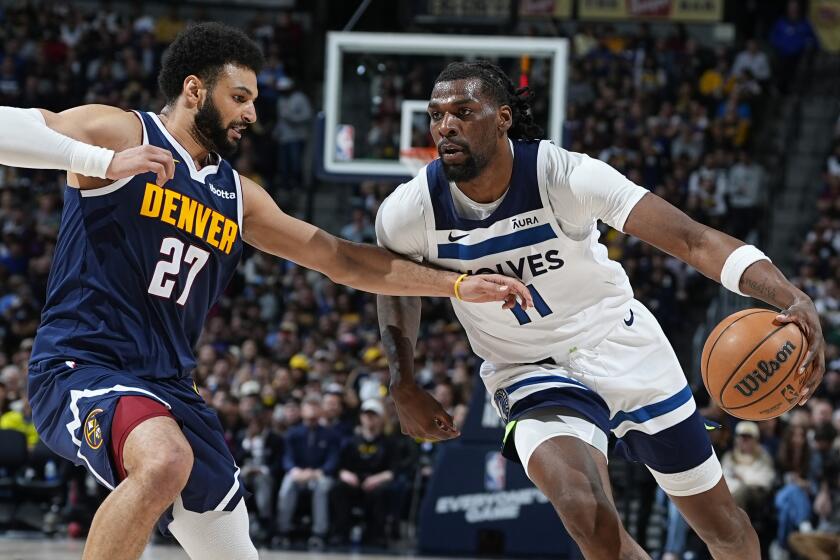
(502, 404)
(93, 431)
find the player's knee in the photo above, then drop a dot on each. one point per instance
(731, 530)
(740, 530)
(591, 520)
(169, 470)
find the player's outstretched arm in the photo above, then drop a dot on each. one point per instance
(421, 416)
(365, 267)
(90, 141)
(739, 267)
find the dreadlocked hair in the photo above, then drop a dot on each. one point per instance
(498, 85)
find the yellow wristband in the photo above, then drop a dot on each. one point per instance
(457, 283)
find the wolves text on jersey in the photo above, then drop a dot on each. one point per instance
(184, 213)
(538, 264)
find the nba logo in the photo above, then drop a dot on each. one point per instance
(344, 139)
(495, 470)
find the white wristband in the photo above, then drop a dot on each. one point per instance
(735, 265)
(90, 161)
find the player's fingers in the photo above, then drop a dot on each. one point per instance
(521, 291)
(814, 378)
(444, 420)
(784, 316)
(510, 302)
(809, 357)
(159, 170)
(164, 157)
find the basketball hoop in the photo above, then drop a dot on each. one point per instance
(415, 158)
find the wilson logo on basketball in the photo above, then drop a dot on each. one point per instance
(764, 370)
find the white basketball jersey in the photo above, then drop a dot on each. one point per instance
(578, 292)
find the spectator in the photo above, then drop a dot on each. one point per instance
(792, 37)
(366, 469)
(824, 542)
(793, 502)
(745, 193)
(260, 462)
(292, 132)
(310, 461)
(334, 414)
(753, 60)
(360, 229)
(748, 468)
(19, 418)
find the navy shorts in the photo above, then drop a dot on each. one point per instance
(73, 406)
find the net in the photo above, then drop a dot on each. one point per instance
(415, 158)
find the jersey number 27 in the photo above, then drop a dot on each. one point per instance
(163, 282)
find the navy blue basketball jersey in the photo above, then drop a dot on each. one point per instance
(137, 266)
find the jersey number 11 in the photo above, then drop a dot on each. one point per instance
(539, 304)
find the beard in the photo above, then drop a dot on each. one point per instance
(471, 167)
(211, 132)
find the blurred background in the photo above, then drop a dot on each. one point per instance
(728, 109)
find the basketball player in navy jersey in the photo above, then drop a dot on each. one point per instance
(153, 226)
(588, 359)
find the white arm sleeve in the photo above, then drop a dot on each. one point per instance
(583, 190)
(401, 225)
(27, 141)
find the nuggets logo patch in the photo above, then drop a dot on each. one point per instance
(502, 404)
(93, 431)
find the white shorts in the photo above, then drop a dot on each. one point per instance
(631, 384)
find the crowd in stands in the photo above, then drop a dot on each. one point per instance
(292, 362)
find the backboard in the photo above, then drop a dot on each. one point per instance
(377, 86)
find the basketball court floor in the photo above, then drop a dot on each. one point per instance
(59, 549)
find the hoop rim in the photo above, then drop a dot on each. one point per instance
(424, 152)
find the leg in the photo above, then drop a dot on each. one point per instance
(722, 525)
(343, 498)
(263, 492)
(573, 475)
(321, 506)
(213, 535)
(677, 533)
(376, 513)
(158, 460)
(287, 504)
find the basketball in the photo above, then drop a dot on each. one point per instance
(750, 364)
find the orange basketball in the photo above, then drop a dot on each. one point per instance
(750, 364)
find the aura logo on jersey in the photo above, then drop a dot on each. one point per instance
(93, 430)
(179, 210)
(522, 222)
(537, 264)
(764, 370)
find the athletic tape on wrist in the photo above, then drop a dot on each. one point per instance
(736, 263)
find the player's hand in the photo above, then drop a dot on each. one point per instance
(421, 416)
(482, 288)
(142, 159)
(804, 314)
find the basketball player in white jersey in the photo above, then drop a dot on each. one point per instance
(588, 358)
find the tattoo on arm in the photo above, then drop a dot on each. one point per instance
(760, 288)
(762, 280)
(399, 324)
